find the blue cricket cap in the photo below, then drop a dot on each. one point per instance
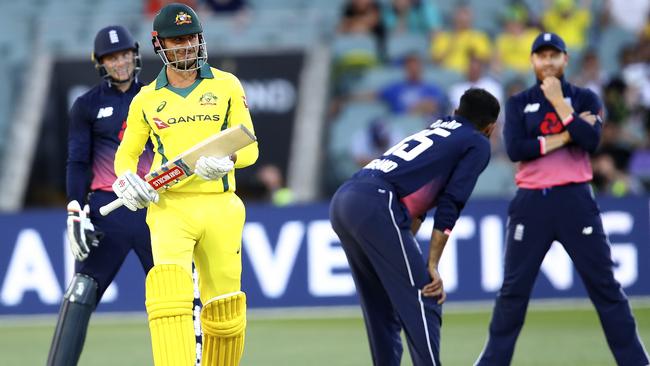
(548, 40)
(112, 39)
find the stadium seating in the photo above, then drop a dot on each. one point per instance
(355, 50)
(408, 124)
(487, 15)
(67, 28)
(402, 44)
(441, 76)
(612, 39)
(376, 78)
(355, 117)
(5, 99)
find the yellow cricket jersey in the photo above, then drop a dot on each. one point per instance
(176, 119)
(514, 50)
(454, 48)
(572, 28)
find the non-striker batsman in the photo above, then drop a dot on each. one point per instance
(201, 218)
(97, 122)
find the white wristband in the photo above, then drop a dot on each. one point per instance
(542, 144)
(568, 119)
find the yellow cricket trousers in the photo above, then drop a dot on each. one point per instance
(206, 227)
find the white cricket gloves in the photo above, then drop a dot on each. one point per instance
(134, 191)
(213, 168)
(81, 232)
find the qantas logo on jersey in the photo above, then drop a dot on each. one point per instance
(105, 112)
(194, 118)
(160, 124)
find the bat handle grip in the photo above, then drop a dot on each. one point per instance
(106, 209)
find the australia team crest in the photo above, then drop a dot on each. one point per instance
(208, 99)
(183, 18)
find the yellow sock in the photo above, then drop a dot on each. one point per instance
(170, 293)
(224, 323)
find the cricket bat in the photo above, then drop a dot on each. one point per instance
(181, 167)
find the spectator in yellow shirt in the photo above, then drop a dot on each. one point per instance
(452, 49)
(513, 43)
(569, 22)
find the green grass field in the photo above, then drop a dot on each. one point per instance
(552, 335)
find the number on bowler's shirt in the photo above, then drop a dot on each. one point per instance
(414, 145)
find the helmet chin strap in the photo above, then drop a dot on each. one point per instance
(116, 81)
(112, 81)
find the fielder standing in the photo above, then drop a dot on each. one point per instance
(378, 211)
(550, 130)
(96, 128)
(200, 218)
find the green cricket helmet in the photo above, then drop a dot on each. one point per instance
(175, 20)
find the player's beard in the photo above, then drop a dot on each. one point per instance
(188, 60)
(186, 64)
(549, 71)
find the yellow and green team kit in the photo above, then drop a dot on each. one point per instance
(176, 120)
(195, 220)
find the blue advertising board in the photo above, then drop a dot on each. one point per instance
(291, 257)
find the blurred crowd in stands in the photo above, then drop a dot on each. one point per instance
(400, 64)
(204, 7)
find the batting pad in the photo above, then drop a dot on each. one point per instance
(224, 323)
(170, 295)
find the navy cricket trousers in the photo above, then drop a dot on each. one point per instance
(569, 215)
(389, 272)
(123, 230)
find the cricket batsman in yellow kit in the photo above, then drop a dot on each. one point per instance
(200, 218)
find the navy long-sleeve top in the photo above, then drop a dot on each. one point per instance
(530, 117)
(97, 123)
(436, 167)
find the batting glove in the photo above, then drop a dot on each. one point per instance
(81, 232)
(213, 168)
(134, 191)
